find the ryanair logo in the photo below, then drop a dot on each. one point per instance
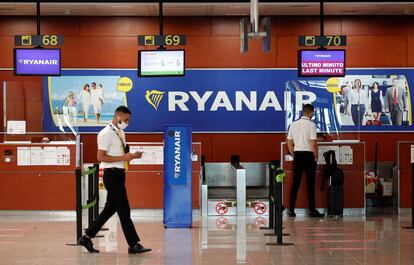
(154, 98)
(237, 101)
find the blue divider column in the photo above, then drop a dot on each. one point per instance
(177, 176)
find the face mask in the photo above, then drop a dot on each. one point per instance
(122, 125)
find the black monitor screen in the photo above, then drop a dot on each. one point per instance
(161, 63)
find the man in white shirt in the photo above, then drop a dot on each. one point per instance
(97, 97)
(114, 155)
(302, 144)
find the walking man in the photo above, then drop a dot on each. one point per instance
(114, 155)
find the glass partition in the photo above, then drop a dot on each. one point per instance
(23, 114)
(329, 106)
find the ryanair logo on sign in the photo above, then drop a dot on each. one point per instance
(237, 101)
(154, 98)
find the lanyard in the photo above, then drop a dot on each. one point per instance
(120, 138)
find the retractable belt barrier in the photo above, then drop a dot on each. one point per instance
(277, 180)
(273, 165)
(93, 198)
(412, 199)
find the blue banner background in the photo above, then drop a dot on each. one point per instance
(146, 118)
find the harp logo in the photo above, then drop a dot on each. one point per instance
(154, 98)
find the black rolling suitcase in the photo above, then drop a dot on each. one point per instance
(335, 177)
(336, 194)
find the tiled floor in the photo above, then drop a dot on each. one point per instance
(213, 240)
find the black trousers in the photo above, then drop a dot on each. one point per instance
(303, 161)
(116, 201)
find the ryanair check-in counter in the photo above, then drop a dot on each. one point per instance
(38, 169)
(235, 189)
(350, 156)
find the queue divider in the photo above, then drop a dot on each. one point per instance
(278, 225)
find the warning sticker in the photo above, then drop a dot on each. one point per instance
(222, 208)
(259, 208)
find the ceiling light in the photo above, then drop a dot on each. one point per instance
(350, 11)
(299, 6)
(121, 6)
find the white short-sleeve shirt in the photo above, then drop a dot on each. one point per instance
(302, 132)
(109, 140)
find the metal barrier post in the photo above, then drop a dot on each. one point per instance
(272, 168)
(78, 175)
(96, 191)
(279, 210)
(90, 197)
(79, 207)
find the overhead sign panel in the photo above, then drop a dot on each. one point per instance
(333, 40)
(38, 40)
(161, 40)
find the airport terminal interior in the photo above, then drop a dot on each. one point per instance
(224, 132)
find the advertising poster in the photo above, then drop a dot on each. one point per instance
(230, 100)
(356, 102)
(84, 100)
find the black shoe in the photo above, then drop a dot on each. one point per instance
(315, 213)
(138, 248)
(87, 243)
(292, 214)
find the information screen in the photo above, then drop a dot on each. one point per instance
(325, 63)
(161, 63)
(39, 61)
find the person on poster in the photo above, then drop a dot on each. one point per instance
(69, 106)
(114, 155)
(357, 102)
(375, 100)
(345, 91)
(396, 102)
(302, 144)
(85, 98)
(97, 99)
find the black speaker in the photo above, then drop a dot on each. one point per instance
(267, 40)
(244, 38)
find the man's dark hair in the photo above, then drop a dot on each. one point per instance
(308, 108)
(123, 109)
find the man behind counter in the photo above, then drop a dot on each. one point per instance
(302, 143)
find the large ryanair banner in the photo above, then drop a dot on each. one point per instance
(230, 100)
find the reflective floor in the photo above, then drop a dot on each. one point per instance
(213, 240)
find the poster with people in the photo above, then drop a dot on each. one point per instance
(84, 100)
(367, 100)
(358, 101)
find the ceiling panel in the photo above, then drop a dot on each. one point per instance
(206, 9)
